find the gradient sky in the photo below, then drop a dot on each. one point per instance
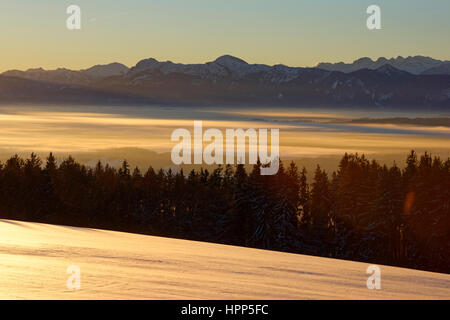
(292, 32)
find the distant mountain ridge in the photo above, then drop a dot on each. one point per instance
(67, 76)
(229, 80)
(443, 68)
(415, 65)
(224, 66)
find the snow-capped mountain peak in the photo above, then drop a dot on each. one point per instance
(411, 64)
(230, 61)
(107, 70)
(223, 66)
(363, 61)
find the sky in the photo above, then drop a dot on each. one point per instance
(291, 32)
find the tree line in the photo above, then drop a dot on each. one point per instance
(363, 211)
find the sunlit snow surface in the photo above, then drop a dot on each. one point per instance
(34, 259)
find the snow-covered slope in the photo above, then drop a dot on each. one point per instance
(34, 259)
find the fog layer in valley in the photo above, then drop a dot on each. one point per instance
(142, 134)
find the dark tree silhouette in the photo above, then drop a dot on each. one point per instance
(363, 211)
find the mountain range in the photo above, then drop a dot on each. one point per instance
(415, 65)
(67, 76)
(400, 82)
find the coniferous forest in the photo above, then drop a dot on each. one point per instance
(363, 211)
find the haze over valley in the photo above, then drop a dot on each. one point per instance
(142, 134)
